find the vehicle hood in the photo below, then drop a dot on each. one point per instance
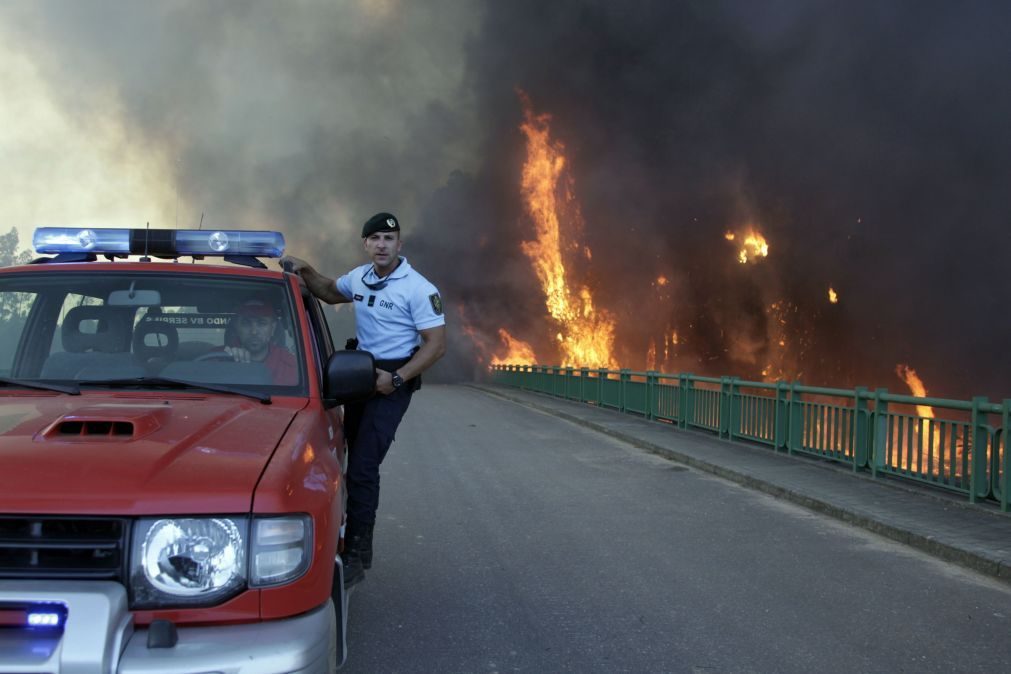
(131, 455)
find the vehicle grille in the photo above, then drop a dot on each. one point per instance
(63, 547)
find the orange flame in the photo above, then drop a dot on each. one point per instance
(586, 336)
(517, 352)
(754, 246)
(933, 443)
(833, 296)
(915, 384)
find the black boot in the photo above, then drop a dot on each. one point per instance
(365, 545)
(354, 571)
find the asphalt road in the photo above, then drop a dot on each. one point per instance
(509, 540)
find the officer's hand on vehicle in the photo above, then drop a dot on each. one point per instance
(384, 382)
(293, 264)
(238, 354)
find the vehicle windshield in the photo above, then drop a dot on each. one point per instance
(206, 329)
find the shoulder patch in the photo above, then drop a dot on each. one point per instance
(436, 303)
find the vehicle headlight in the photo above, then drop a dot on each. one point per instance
(187, 561)
(281, 549)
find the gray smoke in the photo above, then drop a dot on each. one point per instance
(868, 141)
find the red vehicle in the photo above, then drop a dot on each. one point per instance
(171, 487)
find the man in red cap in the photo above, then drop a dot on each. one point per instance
(255, 324)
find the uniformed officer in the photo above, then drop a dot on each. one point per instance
(399, 319)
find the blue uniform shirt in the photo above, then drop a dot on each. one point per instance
(389, 316)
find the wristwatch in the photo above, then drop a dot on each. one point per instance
(398, 381)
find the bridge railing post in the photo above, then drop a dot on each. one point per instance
(624, 376)
(879, 431)
(734, 404)
(860, 435)
(651, 394)
(730, 407)
(781, 432)
(687, 405)
(1005, 454)
(979, 485)
(723, 428)
(796, 424)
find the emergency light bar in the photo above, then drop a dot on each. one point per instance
(158, 242)
(36, 615)
(39, 619)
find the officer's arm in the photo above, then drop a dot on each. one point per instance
(321, 286)
(433, 347)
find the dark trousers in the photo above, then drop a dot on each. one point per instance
(370, 427)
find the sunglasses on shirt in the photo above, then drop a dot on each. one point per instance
(379, 285)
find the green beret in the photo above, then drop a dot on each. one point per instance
(380, 222)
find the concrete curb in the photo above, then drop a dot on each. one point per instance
(975, 561)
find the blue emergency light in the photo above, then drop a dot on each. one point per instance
(43, 615)
(44, 619)
(158, 242)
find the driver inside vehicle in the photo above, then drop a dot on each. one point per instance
(253, 341)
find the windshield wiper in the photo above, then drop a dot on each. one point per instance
(165, 382)
(28, 383)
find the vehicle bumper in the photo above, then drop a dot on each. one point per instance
(99, 637)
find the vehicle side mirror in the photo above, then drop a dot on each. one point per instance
(350, 377)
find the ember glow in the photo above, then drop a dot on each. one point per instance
(585, 334)
(754, 247)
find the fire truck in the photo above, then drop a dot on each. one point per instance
(171, 484)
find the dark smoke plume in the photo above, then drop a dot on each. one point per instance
(867, 141)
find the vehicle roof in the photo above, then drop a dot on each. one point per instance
(161, 266)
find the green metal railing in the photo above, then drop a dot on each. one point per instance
(885, 434)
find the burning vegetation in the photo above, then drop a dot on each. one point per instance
(584, 334)
(576, 331)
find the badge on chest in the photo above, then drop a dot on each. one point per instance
(383, 304)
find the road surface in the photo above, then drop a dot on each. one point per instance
(510, 540)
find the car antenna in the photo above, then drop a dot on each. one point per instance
(200, 226)
(147, 235)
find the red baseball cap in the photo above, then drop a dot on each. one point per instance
(256, 307)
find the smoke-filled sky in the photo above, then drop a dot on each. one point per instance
(868, 142)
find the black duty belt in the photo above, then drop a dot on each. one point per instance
(391, 364)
